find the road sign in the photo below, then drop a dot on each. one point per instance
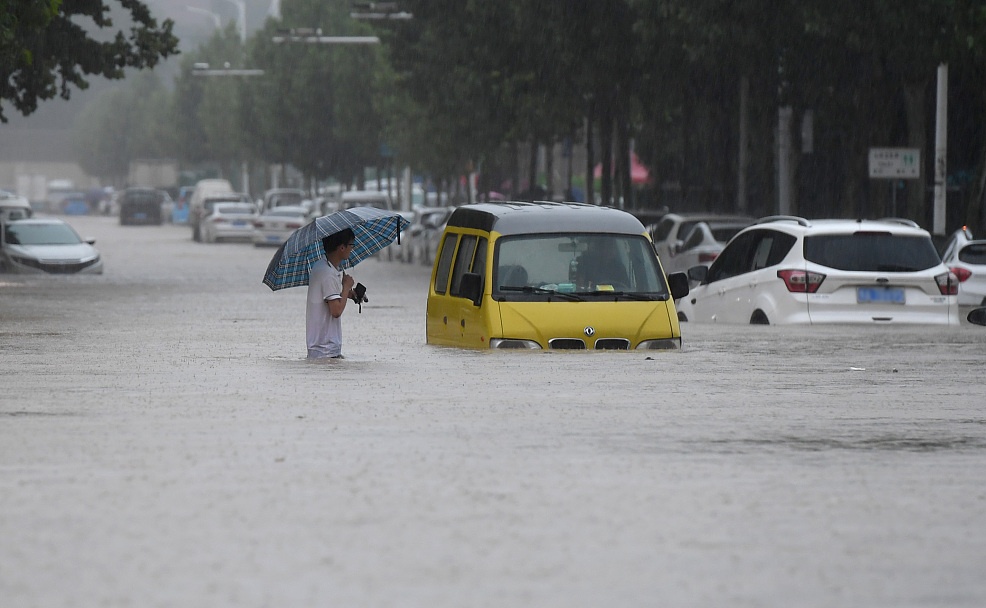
(895, 163)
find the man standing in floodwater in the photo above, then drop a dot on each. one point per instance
(329, 288)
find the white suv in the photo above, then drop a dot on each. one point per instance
(788, 270)
(966, 258)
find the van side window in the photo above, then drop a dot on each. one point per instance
(463, 261)
(479, 261)
(445, 262)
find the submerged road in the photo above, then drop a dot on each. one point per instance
(163, 442)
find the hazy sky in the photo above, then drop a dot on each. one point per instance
(192, 28)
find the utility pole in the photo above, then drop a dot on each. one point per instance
(941, 148)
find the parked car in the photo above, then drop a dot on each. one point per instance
(274, 226)
(966, 258)
(366, 198)
(14, 207)
(204, 189)
(282, 197)
(141, 206)
(671, 230)
(702, 244)
(423, 235)
(788, 270)
(528, 276)
(228, 221)
(47, 245)
(179, 214)
(76, 203)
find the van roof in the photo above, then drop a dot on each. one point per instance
(516, 217)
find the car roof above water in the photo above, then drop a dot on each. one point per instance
(843, 226)
(523, 217)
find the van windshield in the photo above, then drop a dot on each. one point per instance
(585, 264)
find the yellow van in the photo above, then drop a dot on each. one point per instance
(544, 275)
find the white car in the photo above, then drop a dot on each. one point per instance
(420, 240)
(14, 207)
(702, 244)
(228, 221)
(966, 258)
(670, 231)
(47, 245)
(275, 225)
(788, 270)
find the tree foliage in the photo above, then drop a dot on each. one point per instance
(46, 48)
(465, 84)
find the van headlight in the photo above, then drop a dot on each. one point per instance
(663, 344)
(513, 343)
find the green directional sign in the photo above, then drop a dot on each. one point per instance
(895, 163)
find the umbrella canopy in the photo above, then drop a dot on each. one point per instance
(374, 229)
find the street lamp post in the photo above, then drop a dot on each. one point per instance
(201, 11)
(241, 20)
(203, 69)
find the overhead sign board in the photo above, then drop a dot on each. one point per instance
(895, 163)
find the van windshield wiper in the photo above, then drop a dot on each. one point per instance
(540, 290)
(628, 295)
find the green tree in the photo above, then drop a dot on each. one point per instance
(44, 51)
(124, 124)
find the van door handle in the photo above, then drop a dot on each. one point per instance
(445, 320)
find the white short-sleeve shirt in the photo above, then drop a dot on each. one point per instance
(324, 332)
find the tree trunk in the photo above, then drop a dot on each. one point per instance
(914, 106)
(515, 182)
(743, 152)
(606, 143)
(532, 169)
(623, 161)
(549, 168)
(590, 157)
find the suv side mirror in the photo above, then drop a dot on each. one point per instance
(471, 287)
(678, 282)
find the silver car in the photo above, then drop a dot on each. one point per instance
(669, 233)
(47, 245)
(228, 221)
(702, 245)
(966, 258)
(275, 225)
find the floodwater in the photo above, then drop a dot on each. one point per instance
(163, 442)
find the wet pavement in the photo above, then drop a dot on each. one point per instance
(163, 442)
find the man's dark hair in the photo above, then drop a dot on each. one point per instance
(332, 241)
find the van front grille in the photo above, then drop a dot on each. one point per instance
(567, 344)
(612, 344)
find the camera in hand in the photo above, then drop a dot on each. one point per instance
(358, 295)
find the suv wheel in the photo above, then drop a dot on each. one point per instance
(759, 318)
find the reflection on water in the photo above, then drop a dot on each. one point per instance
(892, 443)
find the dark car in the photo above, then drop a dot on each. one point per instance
(140, 206)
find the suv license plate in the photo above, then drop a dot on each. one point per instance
(881, 295)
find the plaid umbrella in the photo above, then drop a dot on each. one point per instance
(374, 229)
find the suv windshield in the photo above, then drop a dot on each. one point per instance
(872, 252)
(586, 264)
